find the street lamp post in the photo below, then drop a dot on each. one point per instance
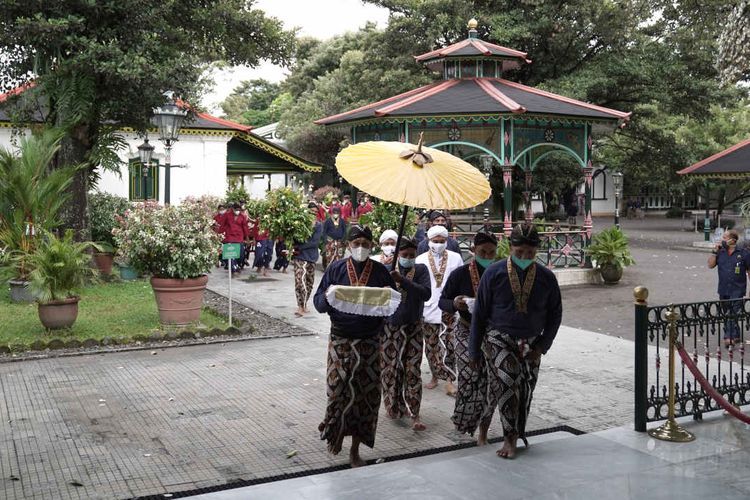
(145, 151)
(617, 181)
(168, 118)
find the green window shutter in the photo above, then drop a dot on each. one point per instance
(136, 181)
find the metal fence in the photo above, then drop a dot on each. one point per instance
(700, 329)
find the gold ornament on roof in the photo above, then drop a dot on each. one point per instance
(472, 24)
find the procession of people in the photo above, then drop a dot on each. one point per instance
(482, 324)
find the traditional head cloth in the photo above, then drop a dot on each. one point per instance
(407, 242)
(435, 214)
(437, 231)
(524, 234)
(312, 204)
(388, 234)
(336, 209)
(358, 231)
(483, 237)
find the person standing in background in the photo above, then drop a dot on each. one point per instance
(304, 257)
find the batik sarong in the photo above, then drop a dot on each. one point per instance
(353, 379)
(304, 279)
(471, 392)
(401, 369)
(511, 380)
(263, 253)
(436, 341)
(334, 251)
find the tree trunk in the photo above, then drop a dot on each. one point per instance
(74, 150)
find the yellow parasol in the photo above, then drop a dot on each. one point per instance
(415, 176)
(411, 175)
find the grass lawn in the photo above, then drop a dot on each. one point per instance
(119, 310)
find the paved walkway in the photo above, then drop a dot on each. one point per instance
(129, 424)
(615, 464)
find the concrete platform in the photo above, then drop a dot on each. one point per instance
(569, 276)
(615, 464)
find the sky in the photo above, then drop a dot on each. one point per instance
(318, 18)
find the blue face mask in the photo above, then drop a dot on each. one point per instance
(406, 263)
(485, 263)
(522, 263)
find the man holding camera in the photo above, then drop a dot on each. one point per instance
(733, 264)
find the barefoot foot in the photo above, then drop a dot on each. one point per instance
(417, 424)
(431, 384)
(450, 389)
(484, 428)
(509, 447)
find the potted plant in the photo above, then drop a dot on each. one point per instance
(104, 209)
(611, 252)
(61, 270)
(31, 196)
(286, 216)
(177, 245)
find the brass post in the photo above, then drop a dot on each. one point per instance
(670, 430)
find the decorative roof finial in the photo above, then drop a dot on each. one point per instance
(472, 24)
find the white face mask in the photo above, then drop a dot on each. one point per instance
(388, 250)
(437, 247)
(236, 212)
(222, 212)
(360, 254)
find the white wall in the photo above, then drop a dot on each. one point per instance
(203, 158)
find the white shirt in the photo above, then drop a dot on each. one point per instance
(432, 313)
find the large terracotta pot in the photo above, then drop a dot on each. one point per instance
(104, 262)
(59, 313)
(179, 301)
(20, 292)
(611, 273)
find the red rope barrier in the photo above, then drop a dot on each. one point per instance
(732, 410)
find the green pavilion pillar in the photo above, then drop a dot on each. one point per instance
(507, 199)
(588, 223)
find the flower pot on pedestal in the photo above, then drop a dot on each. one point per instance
(179, 300)
(20, 292)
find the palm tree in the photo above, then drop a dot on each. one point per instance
(31, 196)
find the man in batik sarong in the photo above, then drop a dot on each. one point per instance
(334, 231)
(353, 375)
(401, 341)
(304, 256)
(458, 297)
(440, 263)
(516, 316)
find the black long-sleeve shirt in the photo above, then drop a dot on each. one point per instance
(459, 283)
(495, 308)
(353, 326)
(308, 251)
(331, 230)
(417, 291)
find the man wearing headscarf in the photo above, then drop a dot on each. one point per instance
(440, 263)
(334, 231)
(458, 297)
(304, 257)
(438, 218)
(353, 374)
(401, 342)
(516, 316)
(387, 242)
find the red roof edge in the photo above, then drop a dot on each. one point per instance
(705, 161)
(327, 119)
(417, 97)
(17, 91)
(221, 121)
(618, 114)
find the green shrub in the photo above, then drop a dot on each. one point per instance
(387, 215)
(674, 213)
(610, 246)
(286, 216)
(104, 209)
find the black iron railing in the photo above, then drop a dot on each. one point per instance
(700, 329)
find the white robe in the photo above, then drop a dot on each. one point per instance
(432, 313)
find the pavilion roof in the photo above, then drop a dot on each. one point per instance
(476, 96)
(732, 162)
(473, 47)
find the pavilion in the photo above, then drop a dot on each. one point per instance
(474, 108)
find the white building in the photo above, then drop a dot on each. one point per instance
(210, 150)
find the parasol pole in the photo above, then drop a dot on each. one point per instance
(398, 240)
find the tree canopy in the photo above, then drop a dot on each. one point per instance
(96, 63)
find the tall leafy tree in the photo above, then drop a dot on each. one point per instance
(101, 62)
(252, 101)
